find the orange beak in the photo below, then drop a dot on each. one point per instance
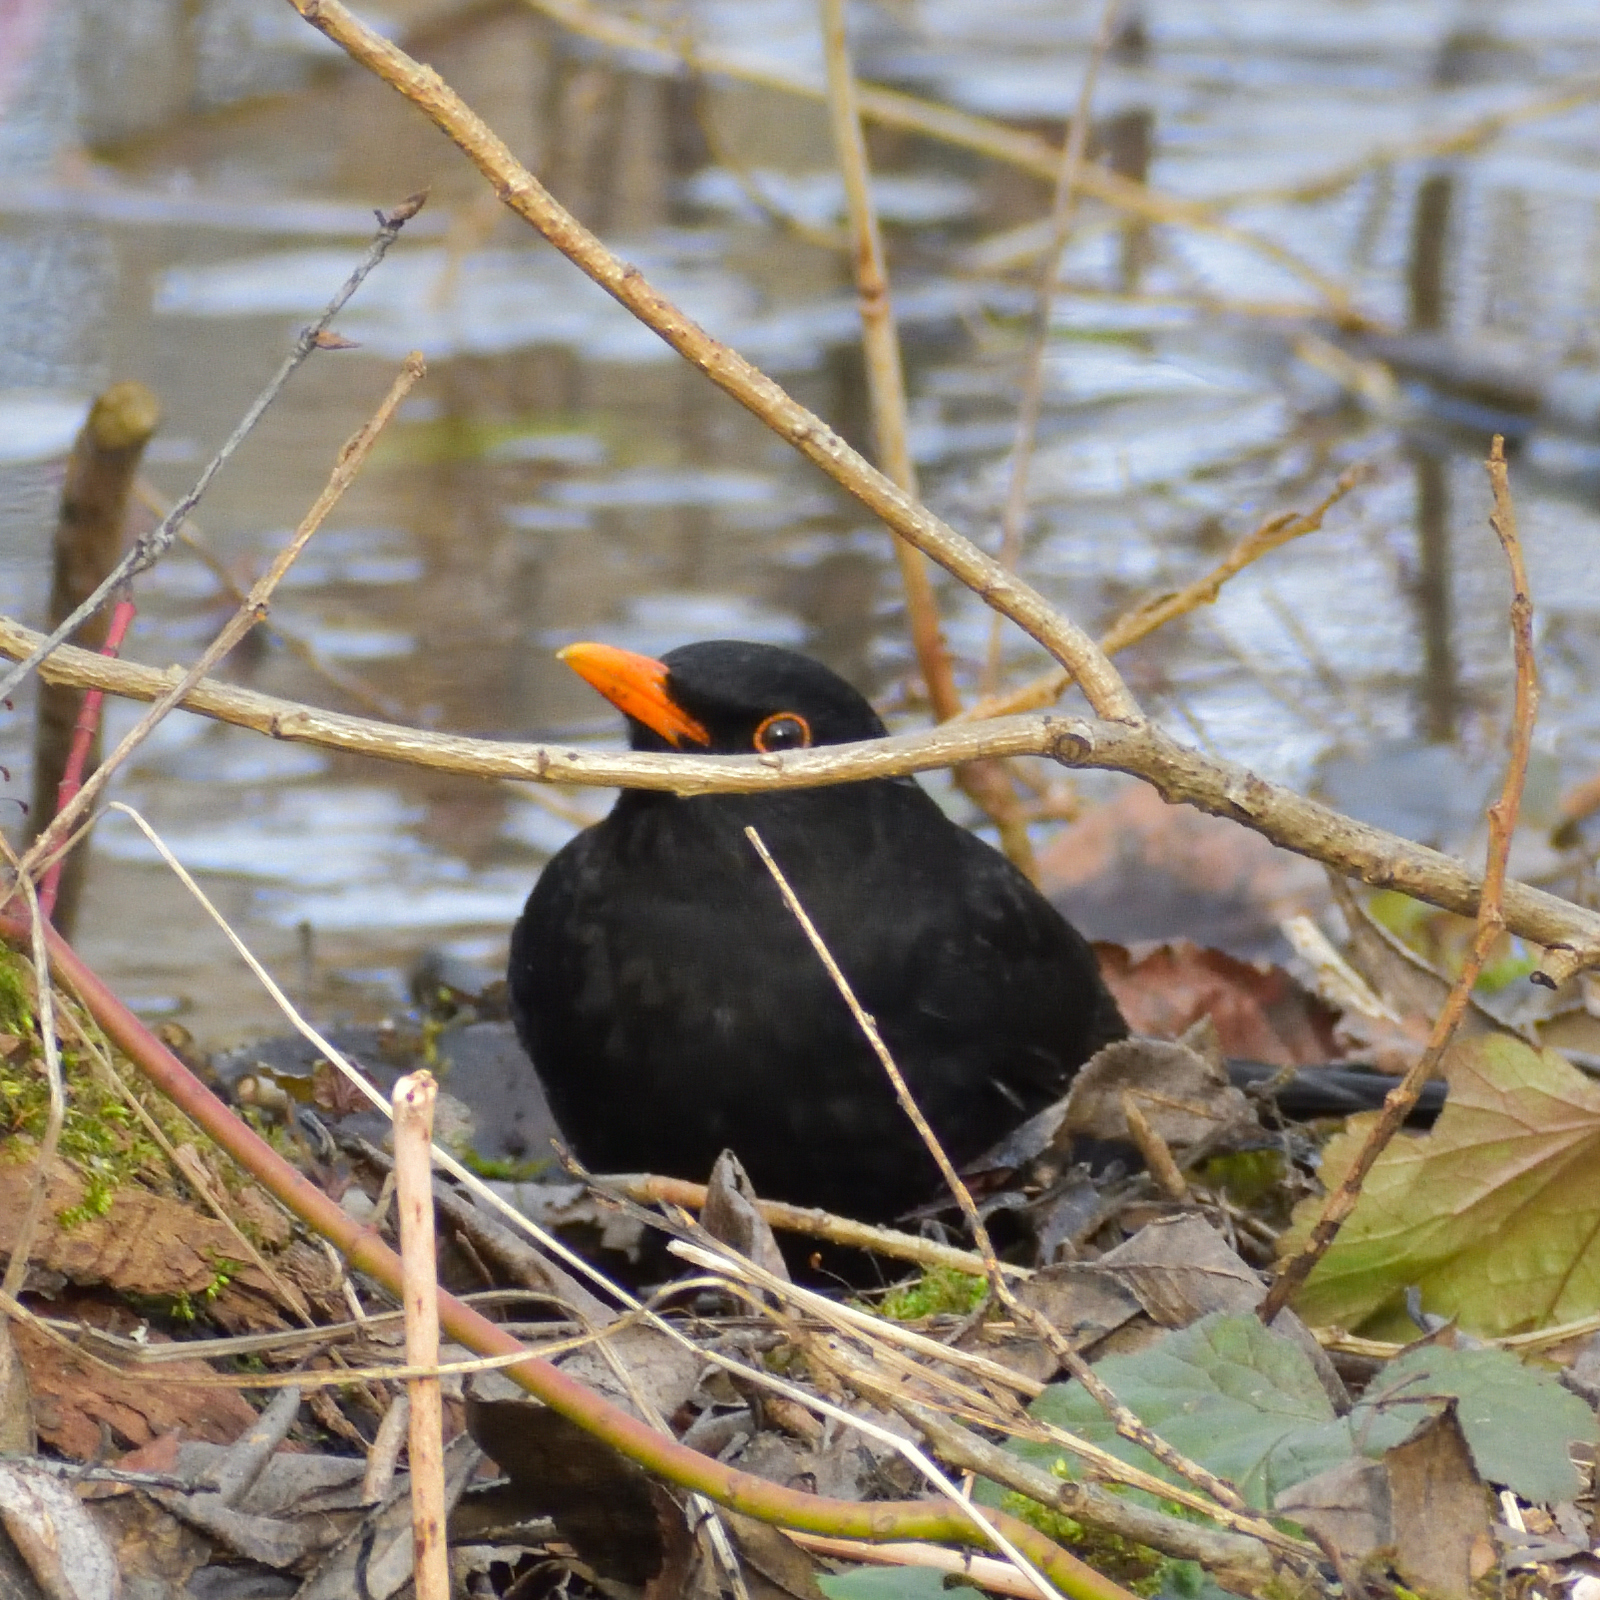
(635, 685)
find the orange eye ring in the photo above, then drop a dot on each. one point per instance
(783, 730)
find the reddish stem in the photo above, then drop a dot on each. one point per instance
(366, 1252)
(83, 737)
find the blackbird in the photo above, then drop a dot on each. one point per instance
(673, 1007)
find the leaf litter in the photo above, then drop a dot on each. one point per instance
(1157, 1291)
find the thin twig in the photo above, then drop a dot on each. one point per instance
(1126, 1423)
(651, 1189)
(346, 682)
(149, 549)
(84, 731)
(413, 1101)
(1569, 933)
(1145, 618)
(1069, 185)
(753, 389)
(1491, 917)
(257, 603)
(45, 1023)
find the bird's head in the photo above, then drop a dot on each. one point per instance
(726, 697)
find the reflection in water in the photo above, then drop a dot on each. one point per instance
(561, 475)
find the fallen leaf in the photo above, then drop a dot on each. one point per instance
(73, 1397)
(1494, 1215)
(1260, 1012)
(1238, 1398)
(1183, 1096)
(1516, 1420)
(1439, 1508)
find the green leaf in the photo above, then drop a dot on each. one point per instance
(1494, 1215)
(1517, 1421)
(884, 1583)
(1228, 1393)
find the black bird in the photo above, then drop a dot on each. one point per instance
(673, 1006)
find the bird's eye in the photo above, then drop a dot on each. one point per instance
(783, 730)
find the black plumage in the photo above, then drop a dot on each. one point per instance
(673, 1007)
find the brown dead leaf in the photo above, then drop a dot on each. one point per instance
(1347, 1506)
(1439, 1507)
(1136, 868)
(730, 1214)
(73, 1398)
(161, 1246)
(1260, 1012)
(1183, 1097)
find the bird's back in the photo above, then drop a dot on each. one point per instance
(673, 1006)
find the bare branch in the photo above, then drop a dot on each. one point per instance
(1569, 933)
(807, 432)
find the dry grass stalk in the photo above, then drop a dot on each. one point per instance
(1491, 918)
(414, 1097)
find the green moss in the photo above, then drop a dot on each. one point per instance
(502, 1169)
(939, 1291)
(102, 1138)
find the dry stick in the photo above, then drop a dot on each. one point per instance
(650, 1189)
(986, 783)
(891, 108)
(1569, 933)
(1069, 185)
(1491, 915)
(414, 1096)
(1127, 1424)
(1145, 618)
(808, 433)
(367, 1253)
(45, 1020)
(149, 549)
(886, 384)
(350, 461)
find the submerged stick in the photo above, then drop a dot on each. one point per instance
(101, 472)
